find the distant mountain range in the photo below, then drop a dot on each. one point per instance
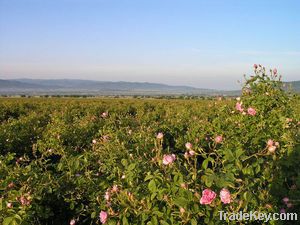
(89, 87)
(295, 85)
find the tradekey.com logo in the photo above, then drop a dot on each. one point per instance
(258, 216)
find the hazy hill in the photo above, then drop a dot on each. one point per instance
(89, 87)
(83, 87)
(295, 85)
(103, 85)
(4, 84)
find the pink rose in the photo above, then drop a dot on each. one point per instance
(160, 135)
(275, 71)
(168, 159)
(103, 217)
(183, 185)
(272, 149)
(115, 188)
(11, 185)
(182, 210)
(107, 196)
(24, 201)
(219, 139)
(270, 142)
(285, 200)
(225, 196)
(192, 153)
(9, 205)
(207, 197)
(251, 111)
(188, 145)
(238, 106)
(255, 66)
(104, 114)
(105, 138)
(186, 155)
(72, 222)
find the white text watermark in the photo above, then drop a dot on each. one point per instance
(239, 216)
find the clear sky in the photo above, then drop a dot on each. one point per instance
(202, 43)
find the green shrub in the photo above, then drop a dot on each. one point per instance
(152, 161)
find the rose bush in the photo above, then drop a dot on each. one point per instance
(150, 161)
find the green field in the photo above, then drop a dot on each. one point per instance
(146, 161)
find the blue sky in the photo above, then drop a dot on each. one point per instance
(208, 44)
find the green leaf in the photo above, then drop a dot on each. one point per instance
(7, 220)
(194, 222)
(158, 213)
(148, 177)
(153, 195)
(162, 222)
(229, 155)
(205, 163)
(60, 166)
(93, 215)
(208, 180)
(125, 221)
(247, 196)
(18, 217)
(154, 220)
(152, 186)
(239, 152)
(181, 202)
(257, 169)
(248, 170)
(124, 162)
(72, 206)
(131, 166)
(206, 220)
(10, 221)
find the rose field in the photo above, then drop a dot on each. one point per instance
(150, 161)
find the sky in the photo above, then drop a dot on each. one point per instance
(200, 43)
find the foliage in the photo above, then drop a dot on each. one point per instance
(149, 161)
